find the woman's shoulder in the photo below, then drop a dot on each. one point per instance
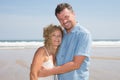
(40, 50)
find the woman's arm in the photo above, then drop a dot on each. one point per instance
(36, 64)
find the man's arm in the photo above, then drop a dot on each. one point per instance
(73, 65)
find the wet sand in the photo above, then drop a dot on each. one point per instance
(15, 63)
(105, 63)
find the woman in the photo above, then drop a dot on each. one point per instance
(45, 55)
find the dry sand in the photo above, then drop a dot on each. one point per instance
(15, 63)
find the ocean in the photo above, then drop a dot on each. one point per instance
(21, 44)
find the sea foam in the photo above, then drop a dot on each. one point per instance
(36, 44)
(20, 45)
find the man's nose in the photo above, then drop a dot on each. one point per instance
(64, 21)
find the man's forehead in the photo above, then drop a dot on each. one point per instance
(63, 13)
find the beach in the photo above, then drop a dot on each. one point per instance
(15, 62)
(105, 63)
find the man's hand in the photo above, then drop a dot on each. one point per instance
(43, 72)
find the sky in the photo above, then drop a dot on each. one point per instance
(25, 19)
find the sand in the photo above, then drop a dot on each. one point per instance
(105, 63)
(15, 63)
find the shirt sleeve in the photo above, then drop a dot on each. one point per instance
(83, 46)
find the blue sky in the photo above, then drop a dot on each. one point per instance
(25, 19)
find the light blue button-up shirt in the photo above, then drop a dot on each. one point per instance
(75, 43)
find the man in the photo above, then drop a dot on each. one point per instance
(74, 53)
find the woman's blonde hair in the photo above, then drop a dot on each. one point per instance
(48, 31)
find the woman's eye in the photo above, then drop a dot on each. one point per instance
(53, 35)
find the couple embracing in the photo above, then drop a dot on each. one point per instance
(66, 51)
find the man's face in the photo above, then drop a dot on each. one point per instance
(67, 19)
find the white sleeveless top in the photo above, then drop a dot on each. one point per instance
(48, 64)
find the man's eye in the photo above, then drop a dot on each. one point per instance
(53, 35)
(66, 17)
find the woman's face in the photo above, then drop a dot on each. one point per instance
(56, 38)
